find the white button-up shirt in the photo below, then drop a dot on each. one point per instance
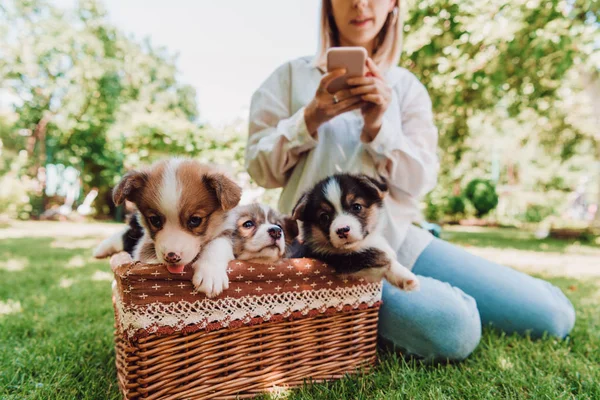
(281, 152)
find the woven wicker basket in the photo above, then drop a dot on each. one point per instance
(305, 324)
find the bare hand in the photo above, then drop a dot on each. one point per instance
(376, 96)
(325, 106)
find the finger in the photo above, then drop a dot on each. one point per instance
(335, 109)
(342, 94)
(361, 80)
(330, 77)
(373, 68)
(351, 107)
(343, 104)
(363, 89)
(373, 98)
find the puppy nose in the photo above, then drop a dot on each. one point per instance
(343, 232)
(172, 257)
(275, 232)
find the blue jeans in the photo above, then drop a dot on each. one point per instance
(460, 292)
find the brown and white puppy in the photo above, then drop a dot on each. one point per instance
(182, 220)
(261, 234)
(342, 226)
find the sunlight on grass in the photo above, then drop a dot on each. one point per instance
(279, 393)
(10, 307)
(70, 243)
(66, 282)
(76, 262)
(14, 264)
(504, 363)
(102, 276)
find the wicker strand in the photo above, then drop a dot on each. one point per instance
(246, 361)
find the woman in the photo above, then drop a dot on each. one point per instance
(383, 125)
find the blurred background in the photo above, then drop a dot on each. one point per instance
(92, 88)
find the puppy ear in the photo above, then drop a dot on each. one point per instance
(290, 229)
(298, 211)
(378, 187)
(227, 191)
(129, 186)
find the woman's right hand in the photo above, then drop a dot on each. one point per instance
(324, 106)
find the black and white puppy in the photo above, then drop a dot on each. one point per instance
(261, 234)
(342, 226)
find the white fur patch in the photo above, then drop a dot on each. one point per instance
(333, 192)
(265, 210)
(210, 270)
(111, 245)
(342, 221)
(170, 191)
(172, 238)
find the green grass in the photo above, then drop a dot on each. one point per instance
(509, 238)
(59, 344)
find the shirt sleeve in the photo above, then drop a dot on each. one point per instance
(276, 136)
(406, 155)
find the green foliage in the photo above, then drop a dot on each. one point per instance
(505, 79)
(482, 195)
(91, 97)
(455, 205)
(507, 61)
(434, 205)
(537, 213)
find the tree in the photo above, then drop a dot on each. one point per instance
(506, 72)
(488, 55)
(89, 96)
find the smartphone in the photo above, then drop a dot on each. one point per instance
(354, 59)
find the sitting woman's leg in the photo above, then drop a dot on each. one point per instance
(438, 322)
(507, 299)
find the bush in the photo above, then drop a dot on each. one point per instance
(434, 205)
(455, 205)
(537, 213)
(482, 194)
(14, 197)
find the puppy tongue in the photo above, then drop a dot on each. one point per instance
(176, 269)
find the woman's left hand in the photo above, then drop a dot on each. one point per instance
(376, 95)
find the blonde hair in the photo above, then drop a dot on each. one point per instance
(388, 42)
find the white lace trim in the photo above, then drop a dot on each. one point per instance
(177, 315)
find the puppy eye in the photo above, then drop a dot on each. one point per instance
(248, 224)
(194, 222)
(279, 225)
(356, 207)
(324, 217)
(155, 221)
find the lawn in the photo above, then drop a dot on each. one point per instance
(56, 330)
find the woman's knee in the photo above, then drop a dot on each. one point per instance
(556, 317)
(457, 331)
(446, 327)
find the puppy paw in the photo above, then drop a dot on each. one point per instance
(109, 246)
(118, 259)
(210, 279)
(102, 251)
(401, 277)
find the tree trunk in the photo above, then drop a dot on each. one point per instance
(39, 138)
(595, 224)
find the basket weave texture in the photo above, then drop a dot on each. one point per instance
(275, 327)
